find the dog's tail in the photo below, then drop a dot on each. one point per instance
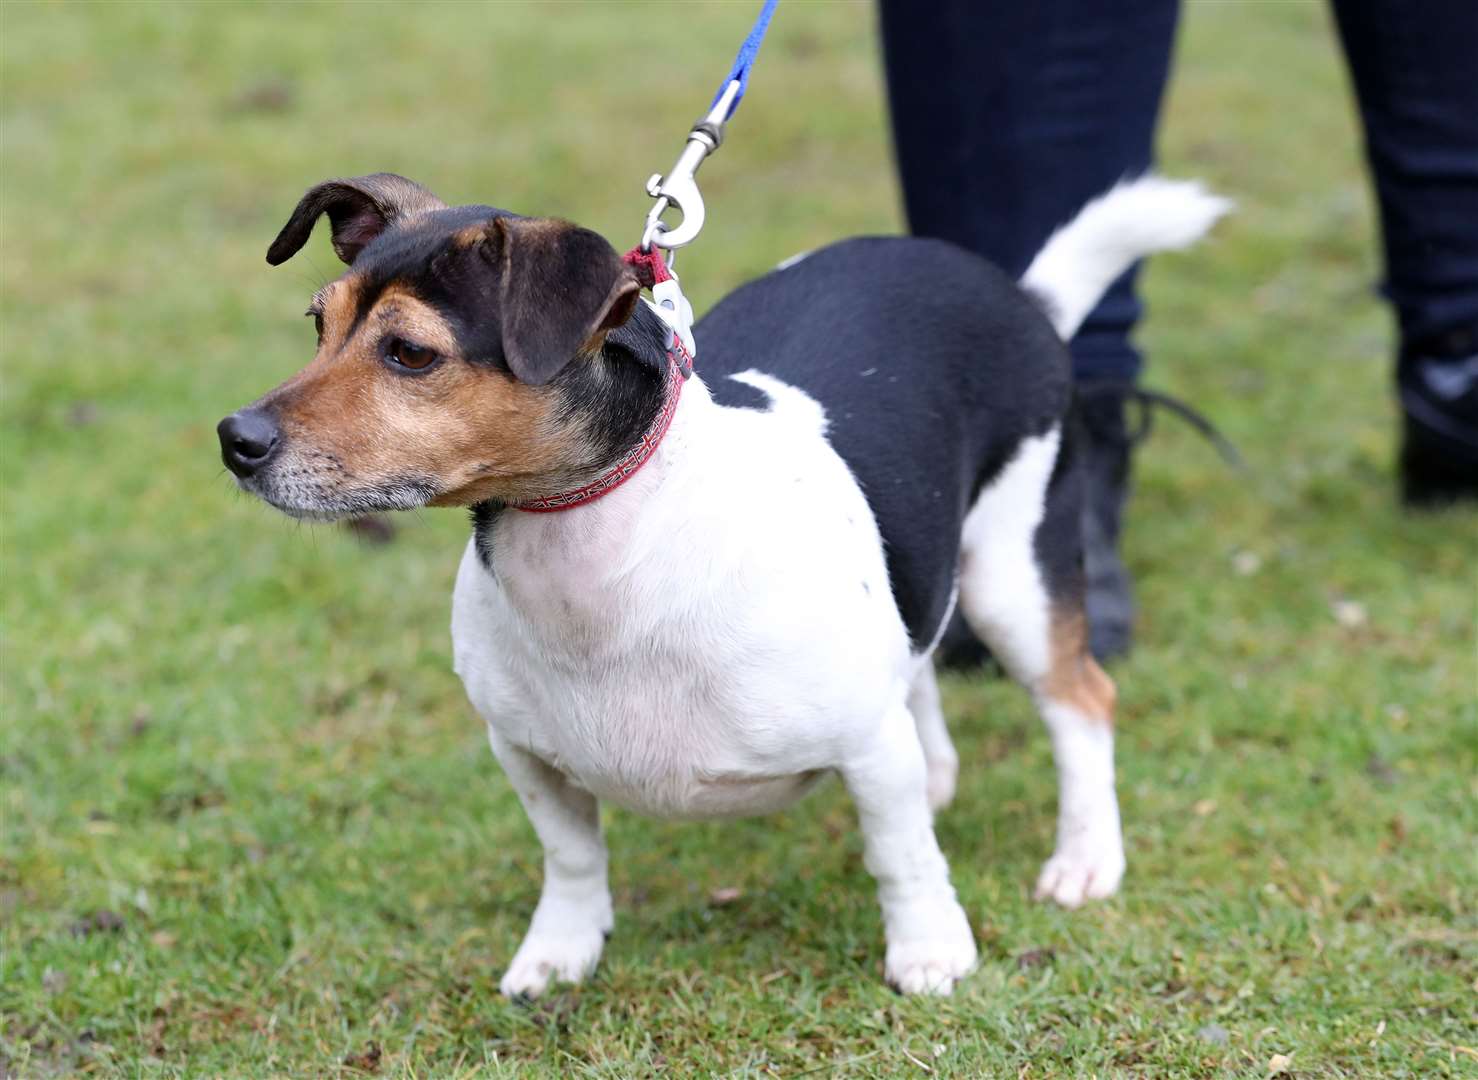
(1135, 218)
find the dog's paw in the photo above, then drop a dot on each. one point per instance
(930, 967)
(546, 957)
(1082, 872)
(934, 961)
(942, 775)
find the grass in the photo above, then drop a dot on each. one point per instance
(250, 825)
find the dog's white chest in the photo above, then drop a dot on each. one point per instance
(698, 648)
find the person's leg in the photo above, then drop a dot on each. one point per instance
(1007, 118)
(1415, 68)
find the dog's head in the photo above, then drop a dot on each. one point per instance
(460, 358)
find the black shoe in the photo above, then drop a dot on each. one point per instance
(1109, 438)
(1106, 458)
(1437, 382)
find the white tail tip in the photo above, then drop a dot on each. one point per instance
(1133, 219)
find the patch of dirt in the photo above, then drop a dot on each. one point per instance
(173, 805)
(1380, 770)
(367, 1060)
(554, 1012)
(1035, 958)
(101, 921)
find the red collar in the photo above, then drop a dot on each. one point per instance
(679, 363)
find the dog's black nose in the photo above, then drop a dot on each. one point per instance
(247, 440)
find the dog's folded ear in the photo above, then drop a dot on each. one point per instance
(359, 209)
(559, 287)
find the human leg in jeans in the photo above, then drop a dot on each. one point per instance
(1415, 69)
(1007, 118)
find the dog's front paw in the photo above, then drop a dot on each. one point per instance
(546, 957)
(930, 967)
(1083, 871)
(936, 955)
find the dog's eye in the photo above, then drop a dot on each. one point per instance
(406, 355)
(317, 317)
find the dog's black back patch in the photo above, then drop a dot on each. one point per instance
(932, 366)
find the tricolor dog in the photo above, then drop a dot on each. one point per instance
(697, 597)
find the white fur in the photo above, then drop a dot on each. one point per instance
(1001, 589)
(1132, 220)
(1089, 860)
(661, 651)
(941, 761)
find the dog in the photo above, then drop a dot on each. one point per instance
(697, 597)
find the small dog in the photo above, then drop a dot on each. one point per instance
(748, 570)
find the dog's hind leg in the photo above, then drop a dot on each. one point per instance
(1021, 589)
(941, 762)
(569, 928)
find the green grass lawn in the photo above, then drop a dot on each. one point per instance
(249, 825)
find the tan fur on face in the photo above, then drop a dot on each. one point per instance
(1075, 678)
(471, 431)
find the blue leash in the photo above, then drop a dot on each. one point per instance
(745, 60)
(678, 188)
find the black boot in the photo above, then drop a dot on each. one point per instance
(1106, 446)
(1114, 417)
(1437, 382)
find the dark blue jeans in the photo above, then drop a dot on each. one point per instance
(1008, 117)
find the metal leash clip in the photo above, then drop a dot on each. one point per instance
(679, 187)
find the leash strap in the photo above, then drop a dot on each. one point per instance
(651, 268)
(745, 60)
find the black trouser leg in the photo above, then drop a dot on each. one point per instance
(1007, 118)
(1415, 68)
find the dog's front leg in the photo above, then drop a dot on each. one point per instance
(930, 945)
(570, 925)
